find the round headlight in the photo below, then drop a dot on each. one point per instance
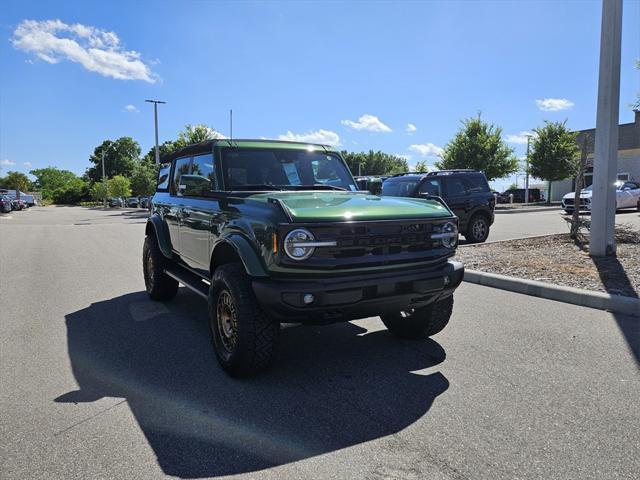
(452, 228)
(294, 244)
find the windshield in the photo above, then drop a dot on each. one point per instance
(402, 188)
(267, 169)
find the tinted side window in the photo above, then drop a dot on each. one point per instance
(431, 186)
(163, 176)
(476, 184)
(202, 178)
(182, 168)
(455, 187)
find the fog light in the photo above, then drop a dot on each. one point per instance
(447, 281)
(308, 298)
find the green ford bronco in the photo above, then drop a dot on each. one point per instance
(274, 232)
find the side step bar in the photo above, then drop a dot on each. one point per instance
(189, 280)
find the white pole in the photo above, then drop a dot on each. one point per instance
(104, 183)
(526, 170)
(603, 203)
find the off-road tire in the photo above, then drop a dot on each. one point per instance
(477, 229)
(420, 322)
(252, 343)
(160, 286)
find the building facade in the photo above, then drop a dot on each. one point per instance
(628, 156)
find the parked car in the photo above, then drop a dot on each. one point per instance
(116, 202)
(627, 196)
(132, 202)
(272, 231)
(5, 204)
(30, 200)
(535, 195)
(465, 192)
(18, 204)
(144, 202)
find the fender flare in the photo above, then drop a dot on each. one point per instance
(245, 252)
(159, 228)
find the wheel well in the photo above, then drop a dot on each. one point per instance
(222, 254)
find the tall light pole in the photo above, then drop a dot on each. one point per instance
(155, 118)
(603, 202)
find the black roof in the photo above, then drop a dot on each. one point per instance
(208, 145)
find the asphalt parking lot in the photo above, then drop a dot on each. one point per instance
(97, 381)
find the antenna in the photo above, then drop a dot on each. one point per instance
(231, 125)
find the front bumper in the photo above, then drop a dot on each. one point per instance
(344, 299)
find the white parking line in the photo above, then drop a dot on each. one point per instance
(6, 216)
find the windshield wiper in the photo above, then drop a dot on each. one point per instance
(317, 186)
(258, 187)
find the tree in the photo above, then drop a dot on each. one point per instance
(50, 179)
(554, 153)
(143, 179)
(374, 163)
(166, 147)
(119, 158)
(196, 134)
(421, 166)
(71, 192)
(585, 146)
(100, 191)
(17, 181)
(119, 186)
(479, 146)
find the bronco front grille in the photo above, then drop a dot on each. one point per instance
(374, 243)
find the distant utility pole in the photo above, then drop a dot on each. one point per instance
(603, 203)
(104, 183)
(155, 117)
(526, 171)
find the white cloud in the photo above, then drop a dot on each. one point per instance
(426, 149)
(554, 104)
(7, 163)
(404, 156)
(519, 138)
(131, 109)
(326, 137)
(411, 128)
(27, 164)
(95, 49)
(367, 122)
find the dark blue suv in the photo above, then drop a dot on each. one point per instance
(466, 193)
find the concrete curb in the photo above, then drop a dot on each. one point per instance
(575, 296)
(525, 210)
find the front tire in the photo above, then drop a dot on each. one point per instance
(420, 322)
(477, 230)
(159, 285)
(244, 338)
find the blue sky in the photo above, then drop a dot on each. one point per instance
(356, 73)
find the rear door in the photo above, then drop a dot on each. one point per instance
(199, 212)
(173, 212)
(457, 198)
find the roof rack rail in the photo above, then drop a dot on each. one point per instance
(409, 173)
(451, 171)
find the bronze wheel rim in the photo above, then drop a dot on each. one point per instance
(226, 320)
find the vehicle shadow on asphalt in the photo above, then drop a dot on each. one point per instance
(332, 387)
